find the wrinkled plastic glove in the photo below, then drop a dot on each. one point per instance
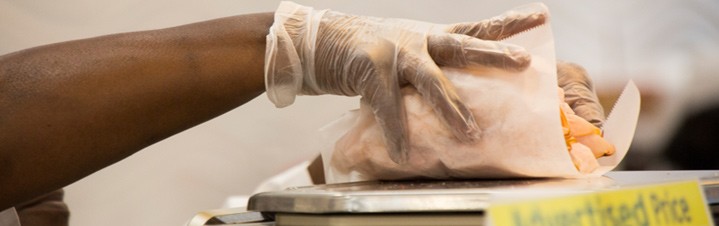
(314, 52)
(579, 92)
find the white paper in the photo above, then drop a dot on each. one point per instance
(518, 113)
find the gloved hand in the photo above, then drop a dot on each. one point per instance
(579, 92)
(313, 52)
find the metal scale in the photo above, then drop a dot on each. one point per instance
(420, 203)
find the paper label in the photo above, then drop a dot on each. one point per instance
(678, 203)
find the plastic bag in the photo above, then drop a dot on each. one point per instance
(518, 113)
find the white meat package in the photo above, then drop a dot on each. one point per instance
(518, 114)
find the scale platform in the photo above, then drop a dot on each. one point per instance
(457, 202)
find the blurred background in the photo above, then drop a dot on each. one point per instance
(670, 48)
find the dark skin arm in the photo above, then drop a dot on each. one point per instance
(72, 108)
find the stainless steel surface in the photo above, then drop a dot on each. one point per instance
(381, 219)
(456, 196)
(234, 216)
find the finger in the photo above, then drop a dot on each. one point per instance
(579, 92)
(463, 51)
(505, 25)
(439, 93)
(389, 113)
(379, 87)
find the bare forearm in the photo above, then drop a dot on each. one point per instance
(69, 109)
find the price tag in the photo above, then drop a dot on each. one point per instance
(677, 203)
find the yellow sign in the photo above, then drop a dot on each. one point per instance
(679, 203)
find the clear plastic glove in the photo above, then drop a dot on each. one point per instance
(579, 92)
(314, 52)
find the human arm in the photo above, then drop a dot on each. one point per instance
(72, 108)
(76, 107)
